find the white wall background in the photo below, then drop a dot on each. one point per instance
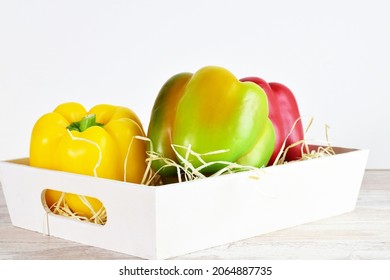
(334, 55)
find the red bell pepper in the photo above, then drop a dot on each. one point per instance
(283, 112)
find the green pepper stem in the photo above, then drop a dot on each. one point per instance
(86, 122)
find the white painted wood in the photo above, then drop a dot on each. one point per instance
(361, 234)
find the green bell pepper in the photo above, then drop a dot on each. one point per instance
(211, 110)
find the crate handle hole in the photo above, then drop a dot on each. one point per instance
(74, 206)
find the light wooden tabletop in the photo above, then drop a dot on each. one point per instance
(361, 234)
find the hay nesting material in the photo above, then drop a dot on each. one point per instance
(62, 208)
(306, 152)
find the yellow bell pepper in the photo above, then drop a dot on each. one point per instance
(99, 143)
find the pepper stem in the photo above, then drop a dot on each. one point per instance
(86, 122)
